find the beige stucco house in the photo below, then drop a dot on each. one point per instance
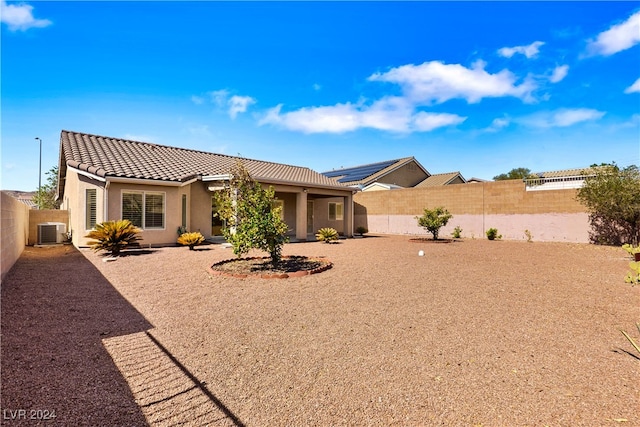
(161, 188)
(405, 172)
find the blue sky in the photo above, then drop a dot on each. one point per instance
(475, 87)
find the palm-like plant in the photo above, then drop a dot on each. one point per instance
(327, 235)
(191, 239)
(113, 236)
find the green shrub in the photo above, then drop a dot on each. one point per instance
(457, 232)
(191, 239)
(434, 219)
(361, 230)
(113, 236)
(327, 235)
(492, 234)
(631, 250)
(633, 276)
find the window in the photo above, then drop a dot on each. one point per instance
(335, 211)
(91, 208)
(144, 210)
(279, 204)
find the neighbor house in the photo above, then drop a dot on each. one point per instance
(405, 172)
(161, 188)
(439, 179)
(560, 179)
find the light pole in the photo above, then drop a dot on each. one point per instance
(39, 170)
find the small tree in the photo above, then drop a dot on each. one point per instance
(612, 197)
(433, 220)
(252, 219)
(45, 197)
(516, 173)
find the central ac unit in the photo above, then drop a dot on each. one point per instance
(50, 233)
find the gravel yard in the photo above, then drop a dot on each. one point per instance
(472, 333)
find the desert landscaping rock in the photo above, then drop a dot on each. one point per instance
(472, 333)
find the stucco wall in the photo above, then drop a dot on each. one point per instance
(552, 215)
(14, 230)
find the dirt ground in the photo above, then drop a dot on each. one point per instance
(472, 333)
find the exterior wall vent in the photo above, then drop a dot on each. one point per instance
(50, 233)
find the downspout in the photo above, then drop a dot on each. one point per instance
(106, 201)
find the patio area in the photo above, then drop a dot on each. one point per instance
(472, 333)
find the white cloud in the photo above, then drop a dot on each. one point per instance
(219, 97)
(429, 121)
(139, 138)
(497, 124)
(530, 51)
(20, 17)
(634, 87)
(392, 114)
(564, 117)
(332, 119)
(559, 73)
(438, 82)
(617, 38)
(316, 87)
(239, 104)
(198, 100)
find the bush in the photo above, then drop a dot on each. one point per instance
(361, 230)
(113, 236)
(492, 234)
(191, 239)
(457, 232)
(327, 235)
(433, 220)
(612, 198)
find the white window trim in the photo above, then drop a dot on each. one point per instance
(144, 207)
(86, 213)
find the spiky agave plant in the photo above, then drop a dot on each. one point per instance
(327, 235)
(113, 236)
(191, 239)
(631, 340)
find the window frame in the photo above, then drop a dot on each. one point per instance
(337, 216)
(144, 213)
(89, 222)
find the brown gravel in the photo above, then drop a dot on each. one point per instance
(473, 333)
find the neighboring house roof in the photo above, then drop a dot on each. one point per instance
(474, 180)
(381, 186)
(103, 157)
(565, 173)
(439, 179)
(25, 197)
(365, 174)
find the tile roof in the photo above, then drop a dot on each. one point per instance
(565, 173)
(115, 157)
(365, 174)
(440, 179)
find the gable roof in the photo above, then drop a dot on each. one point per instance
(105, 157)
(366, 174)
(441, 179)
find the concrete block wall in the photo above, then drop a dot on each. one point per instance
(45, 215)
(14, 230)
(552, 215)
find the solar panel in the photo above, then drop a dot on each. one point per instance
(359, 172)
